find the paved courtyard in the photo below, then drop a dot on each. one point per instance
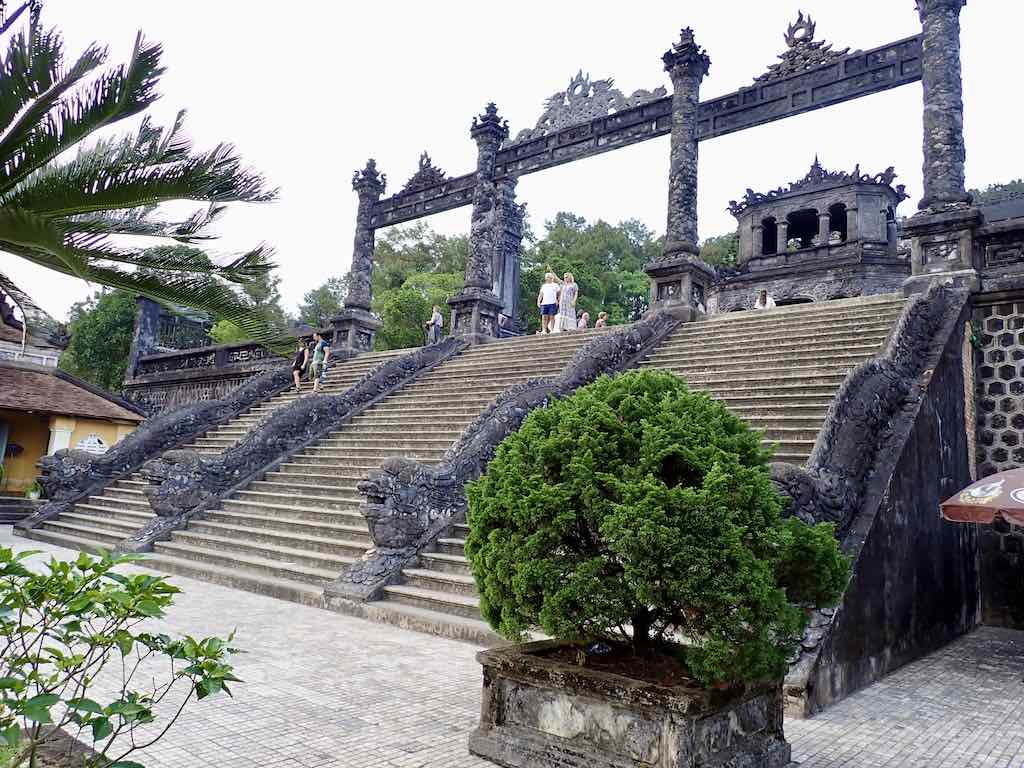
(338, 692)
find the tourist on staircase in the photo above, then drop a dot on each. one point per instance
(321, 355)
(434, 325)
(764, 301)
(584, 322)
(547, 301)
(566, 318)
(602, 320)
(299, 364)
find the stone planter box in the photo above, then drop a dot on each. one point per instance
(543, 713)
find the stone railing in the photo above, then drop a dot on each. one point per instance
(185, 483)
(870, 431)
(408, 504)
(169, 379)
(70, 475)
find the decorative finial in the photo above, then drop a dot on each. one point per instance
(489, 124)
(687, 56)
(369, 179)
(800, 32)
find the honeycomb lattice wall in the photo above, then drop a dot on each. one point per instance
(1000, 387)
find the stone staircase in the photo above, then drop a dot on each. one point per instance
(779, 370)
(292, 532)
(102, 521)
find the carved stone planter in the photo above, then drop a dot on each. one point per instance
(542, 713)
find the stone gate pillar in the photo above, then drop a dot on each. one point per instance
(475, 308)
(507, 252)
(145, 334)
(942, 233)
(355, 326)
(687, 64)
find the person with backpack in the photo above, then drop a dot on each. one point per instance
(321, 354)
(434, 325)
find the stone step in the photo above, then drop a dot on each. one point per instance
(452, 545)
(513, 367)
(773, 338)
(821, 388)
(250, 581)
(443, 380)
(440, 561)
(396, 438)
(738, 323)
(102, 537)
(283, 539)
(784, 435)
(420, 453)
(308, 489)
(422, 408)
(812, 423)
(300, 498)
(836, 308)
(302, 473)
(242, 545)
(783, 411)
(110, 500)
(312, 512)
(394, 429)
(134, 481)
(342, 528)
(812, 397)
(128, 493)
(123, 518)
(66, 540)
(418, 619)
(442, 602)
(322, 463)
(439, 581)
(757, 359)
(250, 563)
(778, 371)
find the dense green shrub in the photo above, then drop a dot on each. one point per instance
(638, 502)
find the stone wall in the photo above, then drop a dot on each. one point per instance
(1000, 446)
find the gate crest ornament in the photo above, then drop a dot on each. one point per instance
(427, 175)
(804, 51)
(584, 100)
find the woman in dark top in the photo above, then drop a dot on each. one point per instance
(299, 364)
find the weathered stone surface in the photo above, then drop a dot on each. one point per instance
(68, 475)
(409, 504)
(541, 712)
(187, 482)
(370, 185)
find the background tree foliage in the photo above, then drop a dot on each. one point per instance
(321, 304)
(638, 502)
(994, 193)
(721, 251)
(101, 329)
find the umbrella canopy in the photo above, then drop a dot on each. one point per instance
(1001, 494)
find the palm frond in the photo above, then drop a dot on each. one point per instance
(120, 93)
(139, 171)
(14, 17)
(26, 71)
(140, 221)
(174, 289)
(24, 229)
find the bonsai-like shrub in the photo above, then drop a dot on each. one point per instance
(638, 503)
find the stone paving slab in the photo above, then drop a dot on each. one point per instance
(324, 690)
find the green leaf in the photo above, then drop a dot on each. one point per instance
(126, 764)
(10, 683)
(101, 728)
(125, 641)
(43, 700)
(12, 735)
(37, 714)
(85, 705)
(149, 608)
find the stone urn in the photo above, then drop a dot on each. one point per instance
(541, 712)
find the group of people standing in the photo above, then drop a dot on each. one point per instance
(557, 303)
(317, 366)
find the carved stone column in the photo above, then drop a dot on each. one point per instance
(942, 244)
(687, 64)
(852, 223)
(824, 228)
(475, 308)
(781, 236)
(678, 271)
(944, 150)
(355, 327)
(145, 335)
(507, 250)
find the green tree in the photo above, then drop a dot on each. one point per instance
(263, 295)
(101, 329)
(321, 304)
(403, 311)
(638, 502)
(71, 624)
(721, 251)
(995, 193)
(72, 201)
(226, 332)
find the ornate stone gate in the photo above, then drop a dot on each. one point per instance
(591, 117)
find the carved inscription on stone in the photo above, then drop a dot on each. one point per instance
(1003, 255)
(939, 252)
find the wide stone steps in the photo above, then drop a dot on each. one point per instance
(303, 516)
(122, 508)
(778, 370)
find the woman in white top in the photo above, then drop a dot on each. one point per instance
(547, 300)
(764, 301)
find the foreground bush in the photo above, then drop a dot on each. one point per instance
(636, 502)
(64, 627)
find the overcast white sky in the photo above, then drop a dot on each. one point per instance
(308, 90)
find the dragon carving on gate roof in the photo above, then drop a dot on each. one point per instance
(426, 176)
(804, 52)
(584, 100)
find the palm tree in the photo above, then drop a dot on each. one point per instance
(80, 213)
